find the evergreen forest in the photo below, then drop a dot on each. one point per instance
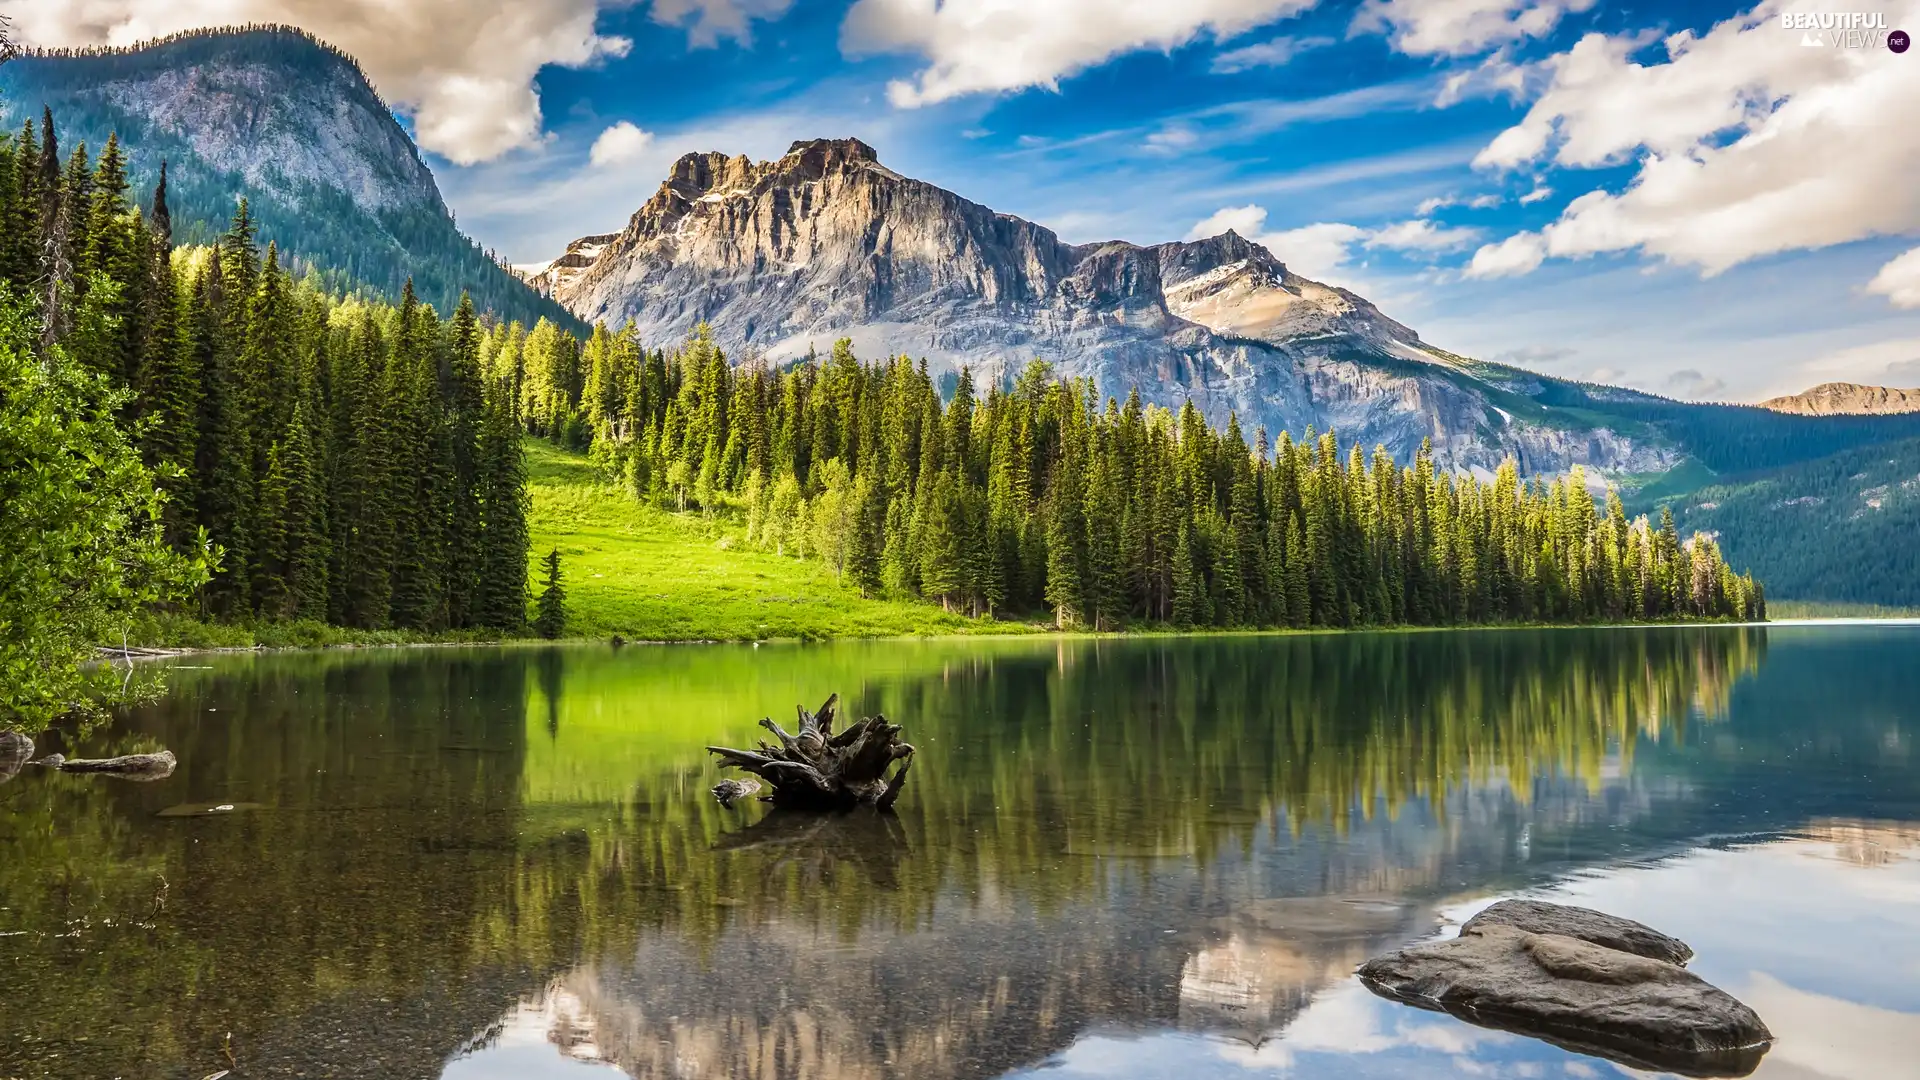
(345, 460)
(313, 456)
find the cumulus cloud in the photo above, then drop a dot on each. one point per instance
(1461, 27)
(1422, 235)
(1324, 250)
(1899, 280)
(463, 69)
(975, 46)
(1521, 253)
(1747, 145)
(620, 144)
(1539, 192)
(1276, 53)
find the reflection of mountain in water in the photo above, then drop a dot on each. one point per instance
(465, 857)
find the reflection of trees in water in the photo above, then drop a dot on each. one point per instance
(1079, 802)
(1089, 802)
(353, 904)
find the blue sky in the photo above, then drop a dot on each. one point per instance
(1683, 198)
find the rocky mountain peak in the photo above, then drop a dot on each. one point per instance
(782, 257)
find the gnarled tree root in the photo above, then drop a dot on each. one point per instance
(816, 769)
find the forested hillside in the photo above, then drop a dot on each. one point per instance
(1038, 497)
(274, 116)
(307, 457)
(349, 461)
(1842, 529)
(1729, 438)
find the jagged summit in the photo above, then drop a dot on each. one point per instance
(784, 256)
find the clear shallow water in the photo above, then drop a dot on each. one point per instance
(1131, 859)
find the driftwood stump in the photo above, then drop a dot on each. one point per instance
(817, 769)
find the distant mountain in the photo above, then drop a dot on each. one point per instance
(784, 256)
(1840, 529)
(291, 124)
(1846, 399)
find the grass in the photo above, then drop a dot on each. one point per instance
(1821, 609)
(166, 630)
(650, 575)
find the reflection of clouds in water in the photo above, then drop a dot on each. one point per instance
(1831, 1037)
(551, 1034)
(1819, 932)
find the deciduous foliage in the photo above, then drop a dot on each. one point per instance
(85, 548)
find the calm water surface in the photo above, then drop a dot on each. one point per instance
(1135, 859)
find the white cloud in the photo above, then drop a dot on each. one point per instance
(1324, 250)
(1275, 53)
(1319, 251)
(1540, 191)
(711, 20)
(1521, 253)
(1748, 145)
(1899, 280)
(1422, 235)
(463, 69)
(975, 46)
(1245, 220)
(619, 145)
(1462, 27)
(1478, 202)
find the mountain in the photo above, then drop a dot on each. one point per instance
(292, 125)
(1839, 529)
(1846, 399)
(782, 257)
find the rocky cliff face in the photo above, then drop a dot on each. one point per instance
(785, 256)
(1846, 399)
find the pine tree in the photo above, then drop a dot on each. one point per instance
(500, 600)
(550, 621)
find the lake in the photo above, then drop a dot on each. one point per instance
(1135, 858)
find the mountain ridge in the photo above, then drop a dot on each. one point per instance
(1846, 399)
(273, 114)
(782, 257)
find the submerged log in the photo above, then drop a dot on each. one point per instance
(818, 769)
(131, 767)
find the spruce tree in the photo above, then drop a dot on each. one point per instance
(550, 619)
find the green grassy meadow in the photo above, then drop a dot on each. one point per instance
(650, 575)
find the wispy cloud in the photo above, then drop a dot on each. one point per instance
(1278, 52)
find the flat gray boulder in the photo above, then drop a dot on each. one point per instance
(1641, 1012)
(1598, 927)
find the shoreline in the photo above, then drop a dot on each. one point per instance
(147, 653)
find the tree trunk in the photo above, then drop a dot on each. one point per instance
(817, 769)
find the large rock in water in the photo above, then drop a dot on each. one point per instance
(1610, 931)
(1640, 1011)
